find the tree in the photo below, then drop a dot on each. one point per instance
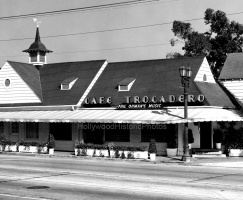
(223, 37)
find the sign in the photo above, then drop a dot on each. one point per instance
(146, 99)
(140, 106)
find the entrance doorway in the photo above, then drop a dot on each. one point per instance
(205, 135)
(62, 133)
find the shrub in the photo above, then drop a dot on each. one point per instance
(111, 145)
(41, 144)
(117, 154)
(142, 148)
(131, 148)
(152, 146)
(217, 136)
(130, 155)
(83, 152)
(171, 140)
(51, 143)
(234, 138)
(123, 155)
(24, 143)
(2, 139)
(94, 153)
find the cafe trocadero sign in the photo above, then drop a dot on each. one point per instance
(146, 99)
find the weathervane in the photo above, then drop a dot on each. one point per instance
(36, 21)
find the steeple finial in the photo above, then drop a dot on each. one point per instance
(37, 22)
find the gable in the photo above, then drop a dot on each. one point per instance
(204, 73)
(16, 90)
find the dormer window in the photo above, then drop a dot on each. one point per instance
(126, 84)
(204, 77)
(68, 83)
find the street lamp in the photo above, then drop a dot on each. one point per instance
(185, 73)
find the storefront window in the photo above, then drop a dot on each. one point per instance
(15, 127)
(61, 131)
(1, 127)
(117, 133)
(93, 133)
(156, 131)
(32, 130)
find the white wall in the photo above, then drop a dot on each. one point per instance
(18, 91)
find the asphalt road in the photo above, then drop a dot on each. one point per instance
(39, 178)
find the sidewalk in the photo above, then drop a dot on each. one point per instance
(231, 162)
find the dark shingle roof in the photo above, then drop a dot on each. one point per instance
(214, 94)
(52, 75)
(153, 78)
(126, 81)
(30, 75)
(37, 45)
(233, 67)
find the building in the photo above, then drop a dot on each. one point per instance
(126, 103)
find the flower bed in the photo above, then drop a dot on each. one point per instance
(110, 150)
(32, 147)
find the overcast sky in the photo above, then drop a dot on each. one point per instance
(139, 31)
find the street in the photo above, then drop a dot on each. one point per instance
(39, 178)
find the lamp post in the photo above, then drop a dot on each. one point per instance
(185, 73)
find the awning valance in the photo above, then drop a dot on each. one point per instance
(162, 116)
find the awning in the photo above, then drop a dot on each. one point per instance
(163, 116)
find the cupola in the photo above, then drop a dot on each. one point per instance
(37, 50)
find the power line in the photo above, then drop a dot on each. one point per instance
(110, 30)
(100, 31)
(108, 49)
(83, 9)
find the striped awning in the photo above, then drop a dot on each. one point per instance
(162, 116)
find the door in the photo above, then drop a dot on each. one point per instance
(62, 133)
(205, 135)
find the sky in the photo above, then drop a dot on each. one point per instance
(140, 30)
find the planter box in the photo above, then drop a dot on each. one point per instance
(152, 156)
(235, 153)
(77, 152)
(1, 148)
(33, 149)
(42, 149)
(90, 152)
(125, 153)
(112, 153)
(101, 153)
(7, 148)
(30, 149)
(171, 152)
(23, 148)
(13, 148)
(141, 154)
(51, 151)
(218, 145)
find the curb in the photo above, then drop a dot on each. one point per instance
(79, 157)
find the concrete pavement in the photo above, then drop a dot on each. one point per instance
(231, 162)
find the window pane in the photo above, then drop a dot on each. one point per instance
(32, 130)
(61, 131)
(15, 127)
(157, 132)
(117, 133)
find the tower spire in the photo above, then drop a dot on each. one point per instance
(37, 50)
